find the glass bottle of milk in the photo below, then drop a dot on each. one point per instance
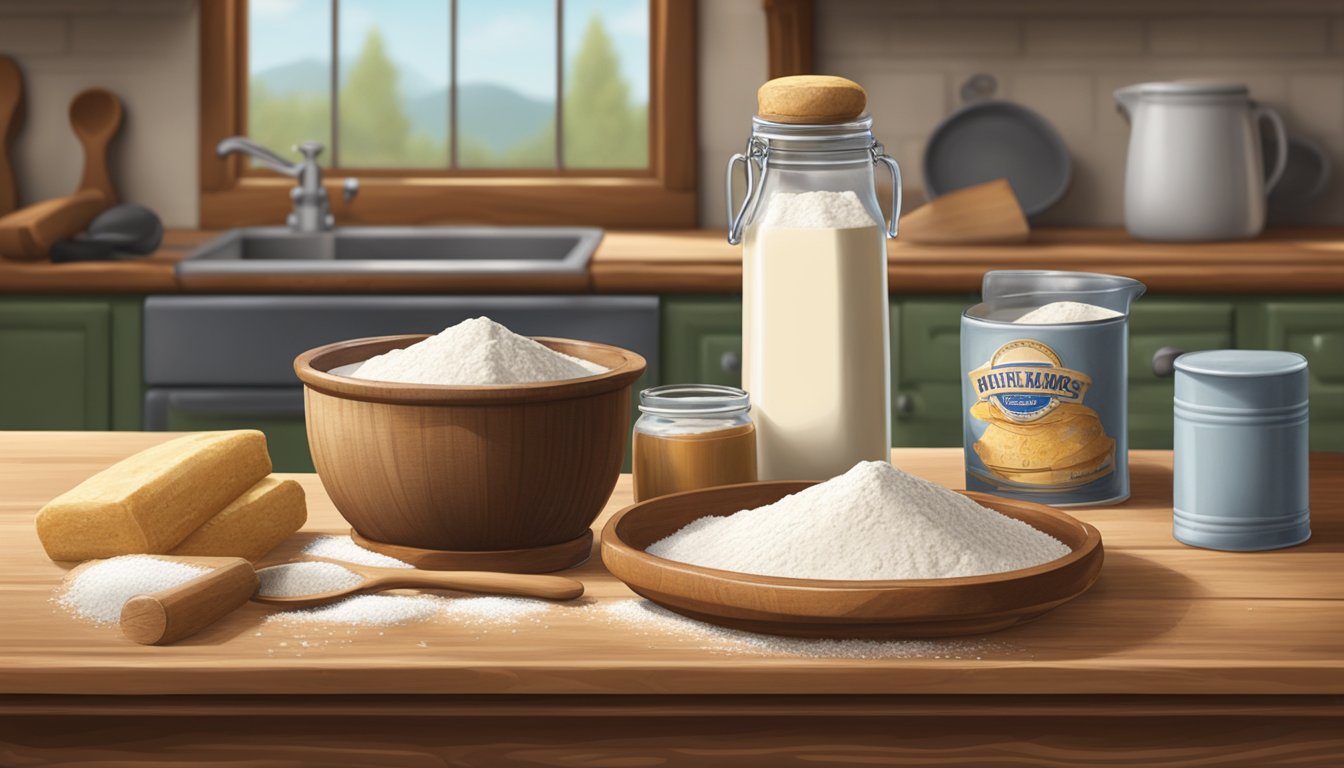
(814, 312)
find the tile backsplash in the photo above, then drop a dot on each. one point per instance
(1064, 60)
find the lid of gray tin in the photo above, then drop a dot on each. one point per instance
(1242, 378)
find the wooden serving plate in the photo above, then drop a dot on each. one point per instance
(843, 609)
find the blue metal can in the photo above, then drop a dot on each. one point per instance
(1241, 451)
(1045, 406)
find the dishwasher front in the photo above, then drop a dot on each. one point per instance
(225, 362)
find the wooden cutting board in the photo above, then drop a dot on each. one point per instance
(11, 117)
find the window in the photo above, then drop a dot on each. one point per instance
(480, 111)
(486, 84)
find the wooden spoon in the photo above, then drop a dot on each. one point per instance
(95, 117)
(380, 579)
(11, 116)
(169, 615)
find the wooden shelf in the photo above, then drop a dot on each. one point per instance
(1295, 261)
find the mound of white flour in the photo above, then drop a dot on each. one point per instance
(1066, 312)
(817, 210)
(475, 352)
(873, 522)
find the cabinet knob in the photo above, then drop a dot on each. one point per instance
(903, 405)
(730, 362)
(1164, 361)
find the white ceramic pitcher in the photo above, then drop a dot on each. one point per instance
(1194, 170)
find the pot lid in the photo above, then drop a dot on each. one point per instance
(1194, 87)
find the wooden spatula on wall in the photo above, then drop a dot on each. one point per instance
(11, 116)
(27, 234)
(984, 213)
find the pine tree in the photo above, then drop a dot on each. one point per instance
(602, 128)
(374, 130)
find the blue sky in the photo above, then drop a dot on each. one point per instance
(506, 42)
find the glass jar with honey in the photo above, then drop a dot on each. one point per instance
(692, 436)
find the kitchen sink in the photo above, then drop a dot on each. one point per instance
(395, 251)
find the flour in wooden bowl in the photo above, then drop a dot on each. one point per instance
(475, 352)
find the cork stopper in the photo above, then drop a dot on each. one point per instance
(810, 99)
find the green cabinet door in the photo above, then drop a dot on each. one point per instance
(1313, 328)
(702, 340)
(1186, 324)
(70, 364)
(926, 371)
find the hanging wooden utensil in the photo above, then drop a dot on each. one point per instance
(984, 213)
(11, 116)
(95, 117)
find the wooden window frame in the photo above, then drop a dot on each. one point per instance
(664, 197)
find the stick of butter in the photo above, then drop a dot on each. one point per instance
(253, 524)
(151, 502)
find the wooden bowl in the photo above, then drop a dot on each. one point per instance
(462, 468)
(843, 609)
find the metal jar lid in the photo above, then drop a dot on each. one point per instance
(1242, 379)
(693, 400)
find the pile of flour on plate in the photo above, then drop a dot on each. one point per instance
(475, 352)
(873, 522)
(1066, 312)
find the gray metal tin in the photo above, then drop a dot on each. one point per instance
(1241, 446)
(1045, 407)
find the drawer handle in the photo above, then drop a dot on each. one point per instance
(1164, 361)
(730, 362)
(904, 405)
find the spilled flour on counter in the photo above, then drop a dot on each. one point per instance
(651, 620)
(1060, 312)
(98, 591)
(344, 548)
(389, 610)
(475, 352)
(873, 522)
(366, 611)
(491, 609)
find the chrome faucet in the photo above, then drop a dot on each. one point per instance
(312, 210)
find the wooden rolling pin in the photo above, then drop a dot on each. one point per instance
(169, 615)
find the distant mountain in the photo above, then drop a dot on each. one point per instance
(493, 116)
(310, 74)
(499, 117)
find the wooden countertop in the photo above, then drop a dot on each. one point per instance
(701, 261)
(1162, 619)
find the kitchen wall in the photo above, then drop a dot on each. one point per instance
(1060, 57)
(145, 51)
(732, 67)
(1065, 58)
